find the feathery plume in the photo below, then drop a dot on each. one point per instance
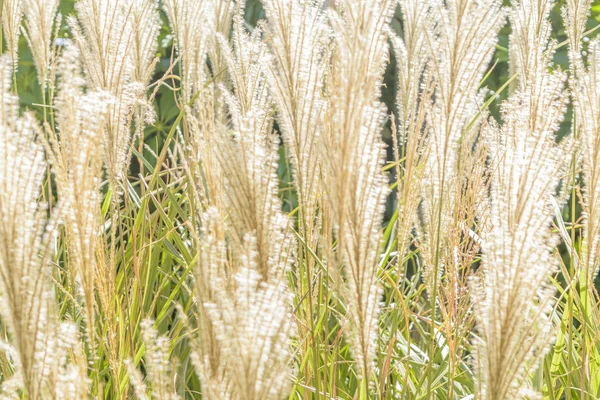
(104, 37)
(223, 14)
(157, 365)
(40, 16)
(145, 22)
(191, 24)
(196, 25)
(352, 161)
(298, 36)
(242, 285)
(248, 154)
(12, 13)
(254, 319)
(25, 253)
(531, 31)
(77, 167)
(115, 50)
(247, 351)
(515, 298)
(243, 349)
(460, 39)
(584, 82)
(212, 266)
(411, 60)
(414, 92)
(72, 381)
(575, 14)
(586, 98)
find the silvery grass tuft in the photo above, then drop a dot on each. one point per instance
(298, 37)
(159, 367)
(116, 42)
(12, 14)
(583, 83)
(250, 325)
(241, 276)
(586, 98)
(26, 234)
(459, 37)
(515, 299)
(40, 26)
(191, 26)
(247, 150)
(72, 149)
(352, 157)
(39, 341)
(413, 95)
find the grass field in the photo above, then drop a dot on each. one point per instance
(299, 199)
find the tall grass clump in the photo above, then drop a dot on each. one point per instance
(516, 297)
(299, 199)
(39, 341)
